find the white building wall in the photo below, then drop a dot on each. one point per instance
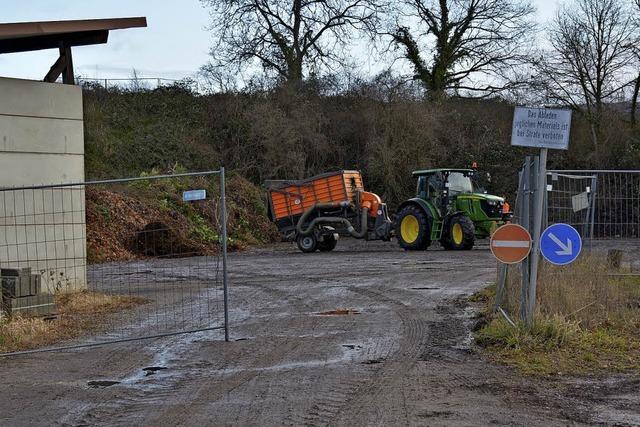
(42, 143)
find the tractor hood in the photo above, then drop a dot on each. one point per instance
(482, 207)
(481, 196)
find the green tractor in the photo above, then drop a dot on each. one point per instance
(449, 208)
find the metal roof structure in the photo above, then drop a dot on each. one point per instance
(62, 35)
(430, 171)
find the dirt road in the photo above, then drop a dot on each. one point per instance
(403, 356)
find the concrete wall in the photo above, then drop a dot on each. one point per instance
(42, 143)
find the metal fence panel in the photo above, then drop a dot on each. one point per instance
(600, 204)
(128, 258)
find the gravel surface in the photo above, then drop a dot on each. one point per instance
(403, 356)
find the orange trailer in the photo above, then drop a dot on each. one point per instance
(316, 210)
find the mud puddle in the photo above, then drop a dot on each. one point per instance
(339, 312)
(102, 383)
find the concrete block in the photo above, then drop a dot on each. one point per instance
(27, 169)
(17, 287)
(41, 135)
(38, 99)
(39, 305)
(17, 283)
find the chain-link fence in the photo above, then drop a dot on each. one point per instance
(139, 83)
(600, 204)
(116, 260)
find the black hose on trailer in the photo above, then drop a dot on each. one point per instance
(331, 220)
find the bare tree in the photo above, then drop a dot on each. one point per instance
(594, 46)
(634, 97)
(636, 86)
(289, 38)
(463, 45)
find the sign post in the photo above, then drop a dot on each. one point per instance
(538, 203)
(541, 128)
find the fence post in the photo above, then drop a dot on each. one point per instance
(545, 203)
(501, 286)
(594, 200)
(524, 221)
(223, 214)
(541, 188)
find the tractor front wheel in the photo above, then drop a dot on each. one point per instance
(412, 229)
(460, 234)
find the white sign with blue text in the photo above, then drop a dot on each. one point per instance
(560, 244)
(541, 128)
(194, 195)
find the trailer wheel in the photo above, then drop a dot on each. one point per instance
(307, 244)
(328, 244)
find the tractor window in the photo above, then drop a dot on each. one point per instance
(422, 184)
(481, 182)
(435, 185)
(459, 183)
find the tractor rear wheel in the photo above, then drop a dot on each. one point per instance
(307, 244)
(460, 234)
(413, 229)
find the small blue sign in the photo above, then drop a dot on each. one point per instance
(560, 244)
(194, 195)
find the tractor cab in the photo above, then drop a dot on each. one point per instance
(440, 185)
(451, 207)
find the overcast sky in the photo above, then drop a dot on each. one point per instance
(174, 45)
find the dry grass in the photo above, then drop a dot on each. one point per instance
(84, 303)
(582, 292)
(586, 321)
(78, 314)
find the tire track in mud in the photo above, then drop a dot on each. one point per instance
(349, 393)
(326, 402)
(353, 399)
(414, 338)
(436, 344)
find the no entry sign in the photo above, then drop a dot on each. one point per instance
(511, 243)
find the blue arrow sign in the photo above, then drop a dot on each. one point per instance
(560, 244)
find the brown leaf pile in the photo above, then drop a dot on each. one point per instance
(114, 220)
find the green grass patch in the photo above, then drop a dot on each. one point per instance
(586, 322)
(557, 346)
(484, 295)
